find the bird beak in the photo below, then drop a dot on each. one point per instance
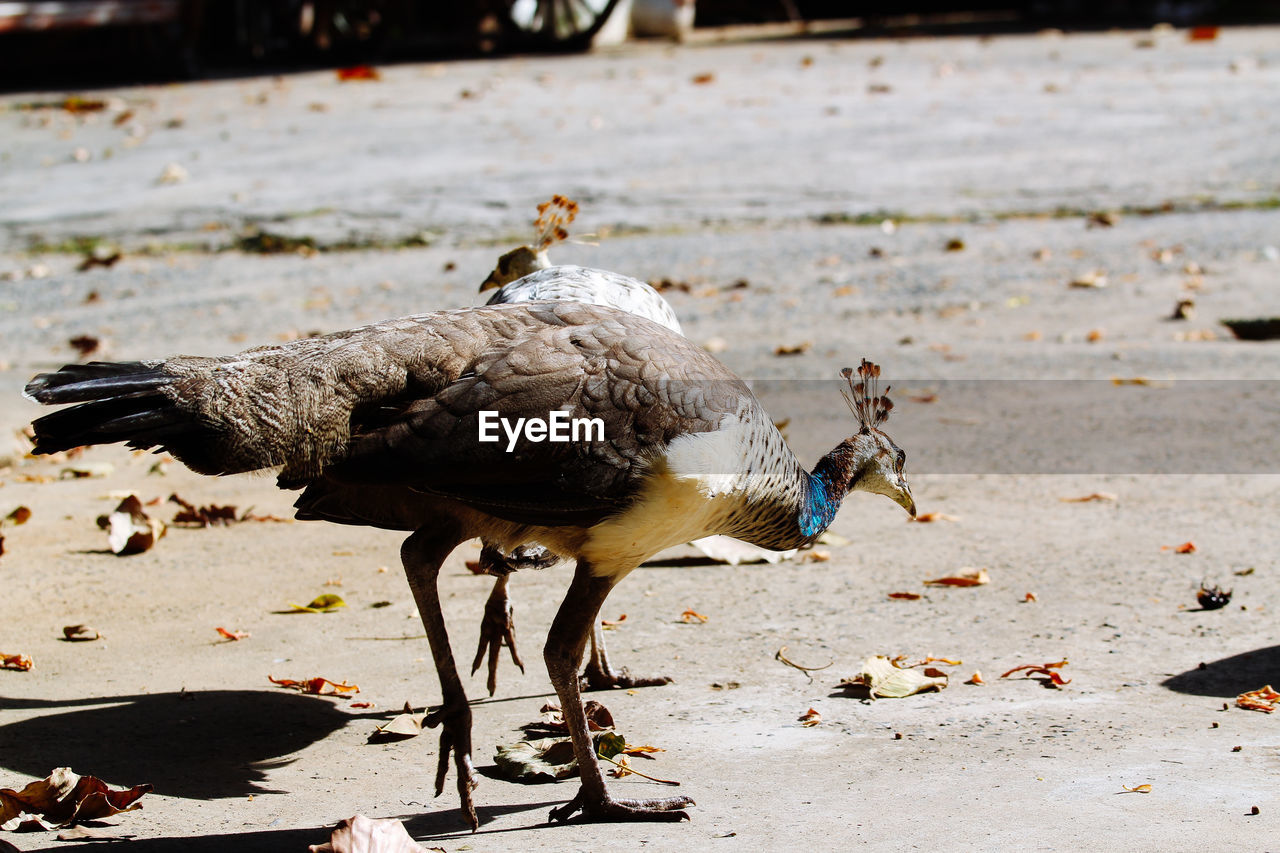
(491, 282)
(904, 500)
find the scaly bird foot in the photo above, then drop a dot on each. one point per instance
(607, 809)
(455, 737)
(496, 629)
(595, 678)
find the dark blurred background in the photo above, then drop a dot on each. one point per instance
(82, 43)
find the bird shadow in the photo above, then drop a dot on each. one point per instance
(443, 824)
(200, 745)
(1230, 676)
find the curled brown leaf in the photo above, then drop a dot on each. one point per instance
(973, 577)
(64, 798)
(18, 662)
(1263, 699)
(316, 686)
(1051, 677)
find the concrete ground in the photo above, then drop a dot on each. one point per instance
(771, 163)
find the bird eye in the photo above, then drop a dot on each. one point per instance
(901, 460)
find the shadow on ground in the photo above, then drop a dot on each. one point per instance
(1230, 676)
(198, 745)
(443, 824)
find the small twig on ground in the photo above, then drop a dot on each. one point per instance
(805, 669)
(636, 772)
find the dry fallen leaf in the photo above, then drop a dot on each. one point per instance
(1030, 670)
(621, 768)
(82, 470)
(18, 662)
(703, 78)
(64, 798)
(1095, 496)
(205, 516)
(883, 679)
(810, 718)
(610, 624)
(796, 349)
(1184, 548)
(537, 760)
(129, 529)
(20, 515)
(1094, 279)
(693, 616)
(316, 686)
(1263, 699)
(974, 577)
(928, 660)
(976, 678)
(599, 719)
(1030, 598)
(360, 834)
(1184, 309)
(1137, 789)
(232, 635)
(400, 727)
(326, 603)
(929, 517)
(905, 596)
(79, 633)
(173, 173)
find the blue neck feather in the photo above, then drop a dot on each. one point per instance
(820, 505)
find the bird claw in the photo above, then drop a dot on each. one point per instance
(595, 678)
(455, 738)
(607, 809)
(497, 628)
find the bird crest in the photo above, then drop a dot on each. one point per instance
(868, 405)
(552, 224)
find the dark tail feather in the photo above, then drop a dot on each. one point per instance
(97, 380)
(119, 402)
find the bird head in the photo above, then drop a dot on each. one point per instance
(551, 227)
(876, 463)
(515, 264)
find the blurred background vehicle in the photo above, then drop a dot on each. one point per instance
(52, 42)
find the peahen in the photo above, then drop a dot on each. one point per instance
(379, 426)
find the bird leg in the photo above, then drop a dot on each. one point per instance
(422, 553)
(497, 627)
(600, 675)
(566, 642)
